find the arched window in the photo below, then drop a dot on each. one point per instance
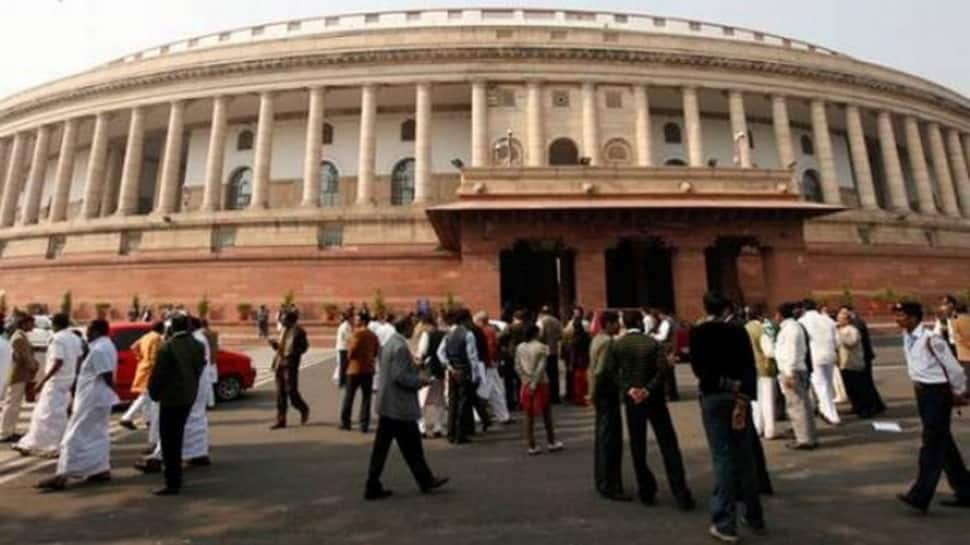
(563, 151)
(617, 152)
(672, 133)
(503, 148)
(407, 131)
(327, 134)
(675, 163)
(402, 182)
(808, 147)
(812, 186)
(240, 189)
(329, 184)
(244, 141)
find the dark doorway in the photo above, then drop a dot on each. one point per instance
(639, 274)
(732, 264)
(536, 273)
(563, 151)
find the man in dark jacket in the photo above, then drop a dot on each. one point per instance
(286, 364)
(639, 360)
(174, 385)
(723, 361)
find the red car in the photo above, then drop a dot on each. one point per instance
(236, 372)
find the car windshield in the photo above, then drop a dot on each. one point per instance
(126, 337)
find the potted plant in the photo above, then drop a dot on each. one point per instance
(847, 299)
(203, 307)
(288, 300)
(67, 303)
(245, 310)
(102, 310)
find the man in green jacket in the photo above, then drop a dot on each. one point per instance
(174, 385)
(605, 395)
(640, 361)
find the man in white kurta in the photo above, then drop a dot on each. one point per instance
(86, 448)
(49, 419)
(823, 338)
(6, 361)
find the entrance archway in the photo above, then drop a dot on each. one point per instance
(563, 151)
(735, 268)
(639, 273)
(535, 273)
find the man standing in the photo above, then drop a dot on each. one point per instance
(944, 321)
(460, 352)
(872, 404)
(361, 352)
(639, 361)
(86, 448)
(22, 373)
(398, 414)
(146, 351)
(6, 360)
(722, 360)
(823, 339)
(49, 419)
(494, 387)
(791, 353)
(666, 334)
(479, 380)
(174, 385)
(551, 335)
(939, 380)
(286, 364)
(605, 395)
(262, 321)
(508, 341)
(344, 331)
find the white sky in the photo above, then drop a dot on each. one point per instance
(41, 40)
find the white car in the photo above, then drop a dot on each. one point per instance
(41, 335)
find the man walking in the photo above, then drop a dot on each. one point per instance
(639, 361)
(49, 418)
(791, 353)
(723, 361)
(146, 352)
(823, 339)
(362, 352)
(22, 374)
(550, 330)
(605, 395)
(398, 414)
(174, 385)
(86, 448)
(286, 364)
(939, 380)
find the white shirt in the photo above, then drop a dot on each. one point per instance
(926, 369)
(662, 334)
(823, 337)
(344, 331)
(423, 343)
(789, 349)
(6, 359)
(67, 347)
(383, 330)
(648, 323)
(91, 388)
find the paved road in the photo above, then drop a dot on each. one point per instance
(304, 485)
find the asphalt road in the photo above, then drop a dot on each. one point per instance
(305, 484)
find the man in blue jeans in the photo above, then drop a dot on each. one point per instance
(722, 359)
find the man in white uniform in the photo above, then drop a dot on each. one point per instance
(823, 340)
(86, 448)
(49, 419)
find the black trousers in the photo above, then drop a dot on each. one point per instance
(512, 385)
(342, 360)
(461, 396)
(655, 411)
(939, 452)
(408, 438)
(171, 431)
(608, 448)
(365, 383)
(288, 390)
(552, 371)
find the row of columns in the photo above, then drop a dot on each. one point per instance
(949, 153)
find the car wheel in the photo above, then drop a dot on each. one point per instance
(228, 389)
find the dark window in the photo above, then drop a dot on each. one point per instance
(402, 182)
(672, 133)
(327, 133)
(330, 237)
(563, 151)
(329, 184)
(240, 189)
(812, 186)
(244, 141)
(808, 147)
(407, 131)
(125, 338)
(675, 163)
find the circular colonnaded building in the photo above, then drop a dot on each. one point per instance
(500, 156)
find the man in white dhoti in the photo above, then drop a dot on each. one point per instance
(86, 448)
(823, 339)
(493, 387)
(49, 419)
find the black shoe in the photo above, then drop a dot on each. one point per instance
(956, 502)
(201, 461)
(372, 495)
(617, 496)
(148, 450)
(304, 417)
(149, 466)
(103, 477)
(436, 483)
(649, 501)
(757, 528)
(344, 427)
(923, 509)
(278, 426)
(167, 492)
(686, 503)
(128, 424)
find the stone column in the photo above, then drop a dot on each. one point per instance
(112, 179)
(263, 160)
(312, 151)
(739, 126)
(641, 100)
(12, 186)
(422, 142)
(692, 124)
(591, 127)
(480, 144)
(212, 191)
(368, 144)
(891, 164)
(590, 265)
(35, 180)
(689, 267)
(4, 149)
(860, 158)
(171, 160)
(960, 176)
(917, 161)
(94, 180)
(536, 148)
(823, 150)
(941, 166)
(131, 167)
(786, 154)
(64, 173)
